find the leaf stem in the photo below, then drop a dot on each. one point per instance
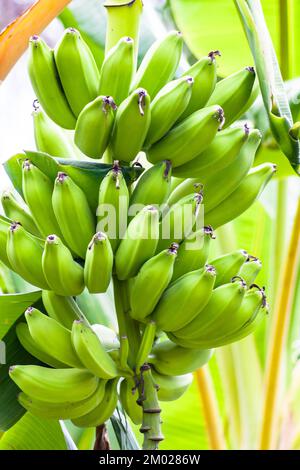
(281, 319)
(210, 409)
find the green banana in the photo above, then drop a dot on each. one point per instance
(150, 283)
(113, 193)
(233, 94)
(91, 352)
(224, 299)
(243, 197)
(94, 126)
(153, 186)
(65, 410)
(51, 337)
(104, 410)
(98, 264)
(189, 138)
(204, 73)
(167, 106)
(250, 269)
(145, 347)
(37, 189)
(193, 252)
(223, 151)
(64, 275)
(139, 243)
(184, 299)
(77, 69)
(14, 211)
(180, 220)
(184, 189)
(61, 308)
(117, 70)
(128, 400)
(220, 184)
(47, 85)
(168, 358)
(31, 346)
(159, 64)
(24, 253)
(49, 137)
(54, 385)
(4, 230)
(131, 126)
(227, 266)
(73, 214)
(171, 387)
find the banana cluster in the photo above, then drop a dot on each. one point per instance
(181, 303)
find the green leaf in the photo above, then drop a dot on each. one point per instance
(12, 306)
(87, 175)
(123, 432)
(270, 79)
(32, 433)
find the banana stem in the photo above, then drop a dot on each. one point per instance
(210, 409)
(151, 425)
(281, 320)
(127, 326)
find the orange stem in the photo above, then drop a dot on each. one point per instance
(281, 320)
(210, 409)
(14, 38)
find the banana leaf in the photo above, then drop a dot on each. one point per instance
(270, 80)
(87, 175)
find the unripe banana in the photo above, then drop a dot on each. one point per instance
(193, 252)
(220, 184)
(54, 385)
(226, 298)
(184, 299)
(167, 107)
(73, 214)
(37, 189)
(24, 253)
(180, 220)
(170, 359)
(139, 243)
(61, 308)
(14, 211)
(131, 126)
(227, 266)
(243, 197)
(153, 186)
(63, 274)
(91, 352)
(171, 387)
(250, 269)
(47, 85)
(103, 411)
(128, 399)
(31, 346)
(233, 94)
(117, 70)
(77, 70)
(146, 343)
(66, 410)
(204, 73)
(51, 337)
(98, 264)
(159, 64)
(223, 150)
(184, 189)
(113, 193)
(4, 229)
(189, 138)
(150, 283)
(49, 137)
(94, 126)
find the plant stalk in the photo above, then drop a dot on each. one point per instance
(151, 425)
(281, 320)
